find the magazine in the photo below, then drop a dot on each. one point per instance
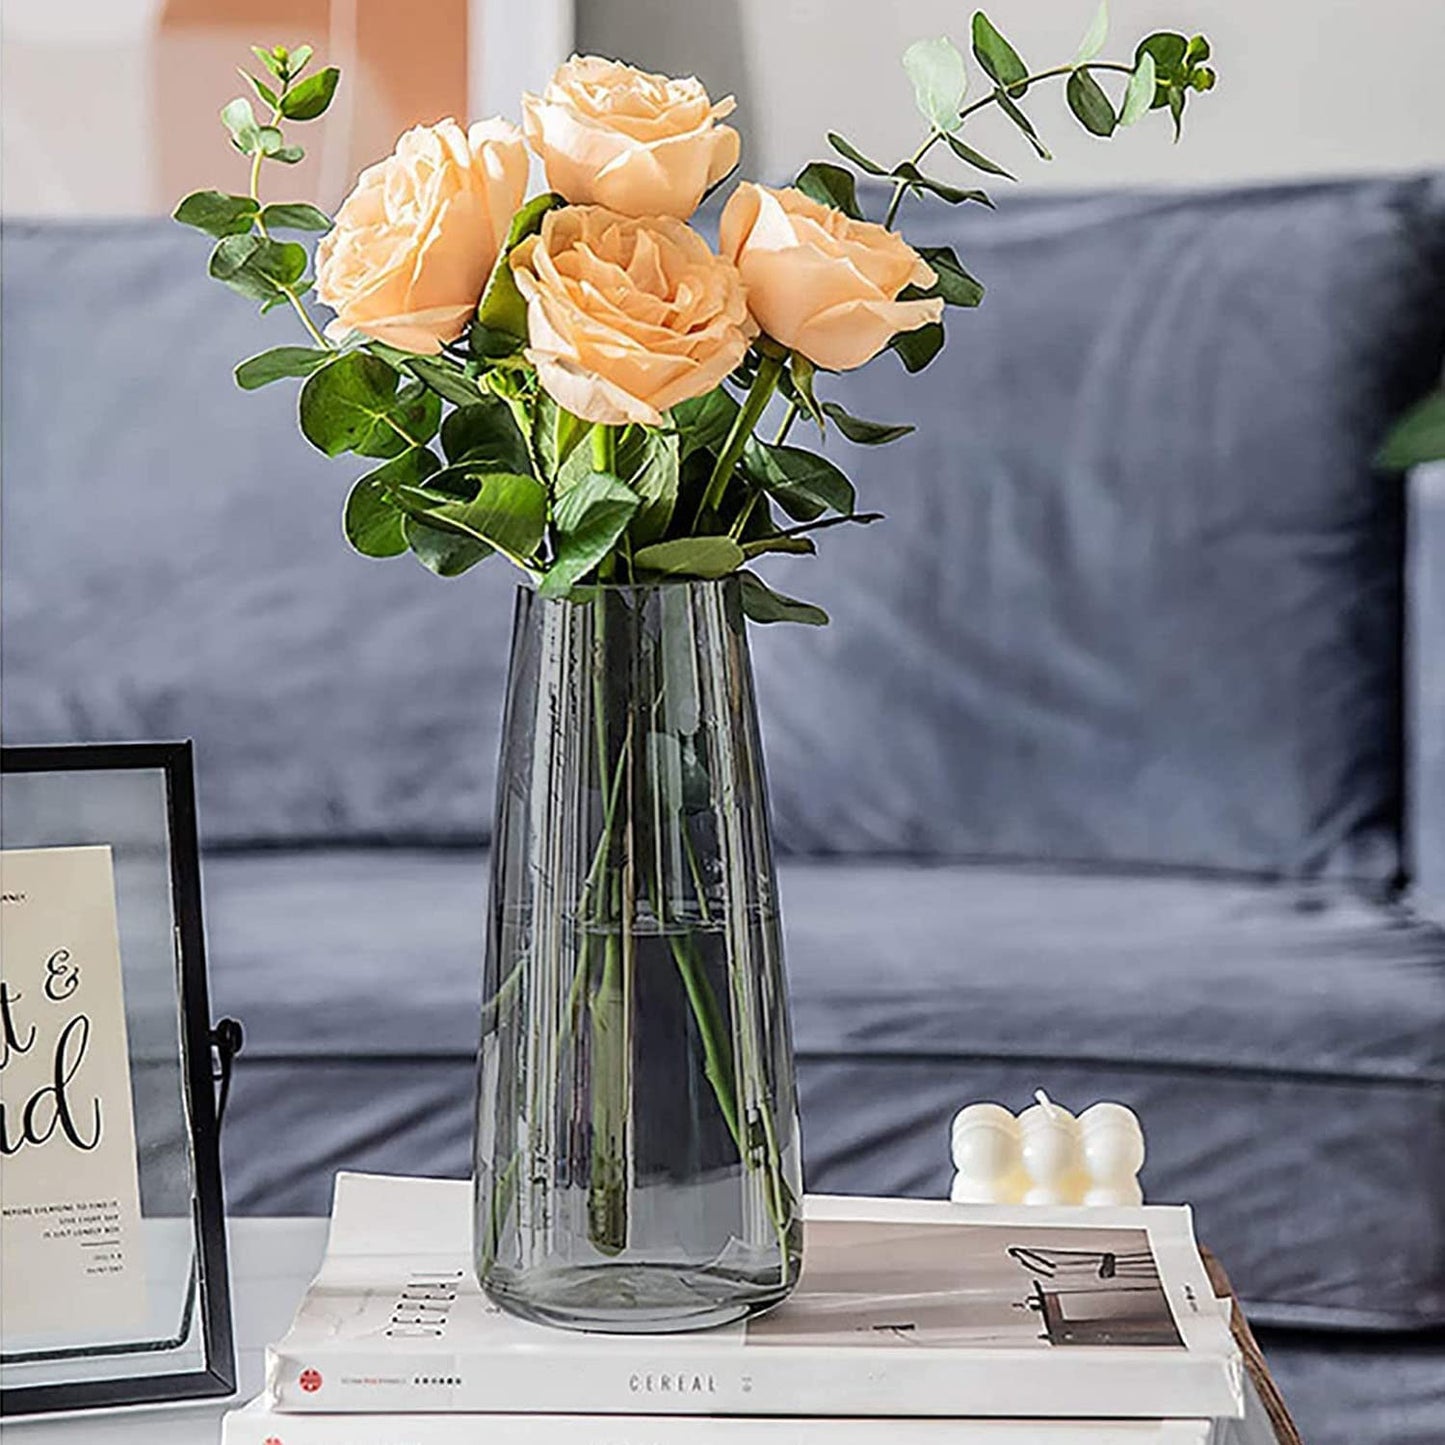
(905, 1308)
(258, 1424)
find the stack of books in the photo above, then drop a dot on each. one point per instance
(916, 1323)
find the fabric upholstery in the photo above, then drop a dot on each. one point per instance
(1425, 653)
(1138, 595)
(1164, 400)
(1285, 1048)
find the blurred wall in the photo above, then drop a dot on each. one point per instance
(1307, 87)
(109, 106)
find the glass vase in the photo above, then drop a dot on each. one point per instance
(637, 1148)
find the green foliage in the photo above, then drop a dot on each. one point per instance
(1418, 437)
(502, 312)
(352, 405)
(863, 433)
(294, 216)
(830, 185)
(443, 552)
(954, 195)
(257, 267)
(650, 462)
(704, 422)
(917, 348)
(590, 518)
(1022, 121)
(311, 97)
(1139, 94)
(954, 284)
(1095, 35)
(508, 513)
(705, 557)
(940, 81)
(804, 484)
(279, 362)
(996, 55)
(762, 604)
(976, 159)
(1178, 68)
(849, 151)
(217, 214)
(372, 521)
(240, 120)
(1089, 103)
(483, 435)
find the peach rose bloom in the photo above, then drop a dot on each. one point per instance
(627, 317)
(820, 282)
(414, 243)
(639, 144)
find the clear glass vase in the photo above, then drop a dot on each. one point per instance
(637, 1149)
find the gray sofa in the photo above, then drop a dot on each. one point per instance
(1121, 770)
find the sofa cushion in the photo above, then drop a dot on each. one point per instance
(1138, 595)
(1285, 1047)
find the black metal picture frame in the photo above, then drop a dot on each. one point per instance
(212, 1300)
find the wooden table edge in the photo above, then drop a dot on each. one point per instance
(1269, 1395)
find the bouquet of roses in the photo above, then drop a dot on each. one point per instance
(576, 381)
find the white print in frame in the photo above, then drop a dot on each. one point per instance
(70, 1245)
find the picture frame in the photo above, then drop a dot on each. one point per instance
(126, 811)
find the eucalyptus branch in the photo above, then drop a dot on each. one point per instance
(862, 518)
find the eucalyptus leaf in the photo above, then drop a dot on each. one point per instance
(1176, 111)
(1418, 437)
(372, 522)
(216, 213)
(344, 406)
(940, 80)
(309, 98)
(995, 54)
(257, 267)
(295, 216)
(287, 155)
(830, 185)
(977, 159)
(589, 520)
(296, 60)
(849, 151)
(269, 140)
(1025, 125)
(864, 433)
(762, 604)
(240, 119)
(954, 195)
(1095, 35)
(1168, 48)
(1139, 94)
(1089, 103)
(918, 347)
(263, 91)
(275, 64)
(484, 434)
(443, 552)
(706, 557)
(279, 362)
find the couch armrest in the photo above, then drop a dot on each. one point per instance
(1425, 674)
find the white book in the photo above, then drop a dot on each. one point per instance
(906, 1308)
(258, 1424)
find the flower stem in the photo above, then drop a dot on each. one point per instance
(760, 393)
(604, 449)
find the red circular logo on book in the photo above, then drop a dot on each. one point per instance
(310, 1381)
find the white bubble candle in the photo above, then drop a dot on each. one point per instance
(1046, 1155)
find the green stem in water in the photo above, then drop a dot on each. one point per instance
(760, 393)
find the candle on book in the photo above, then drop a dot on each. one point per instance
(1046, 1155)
